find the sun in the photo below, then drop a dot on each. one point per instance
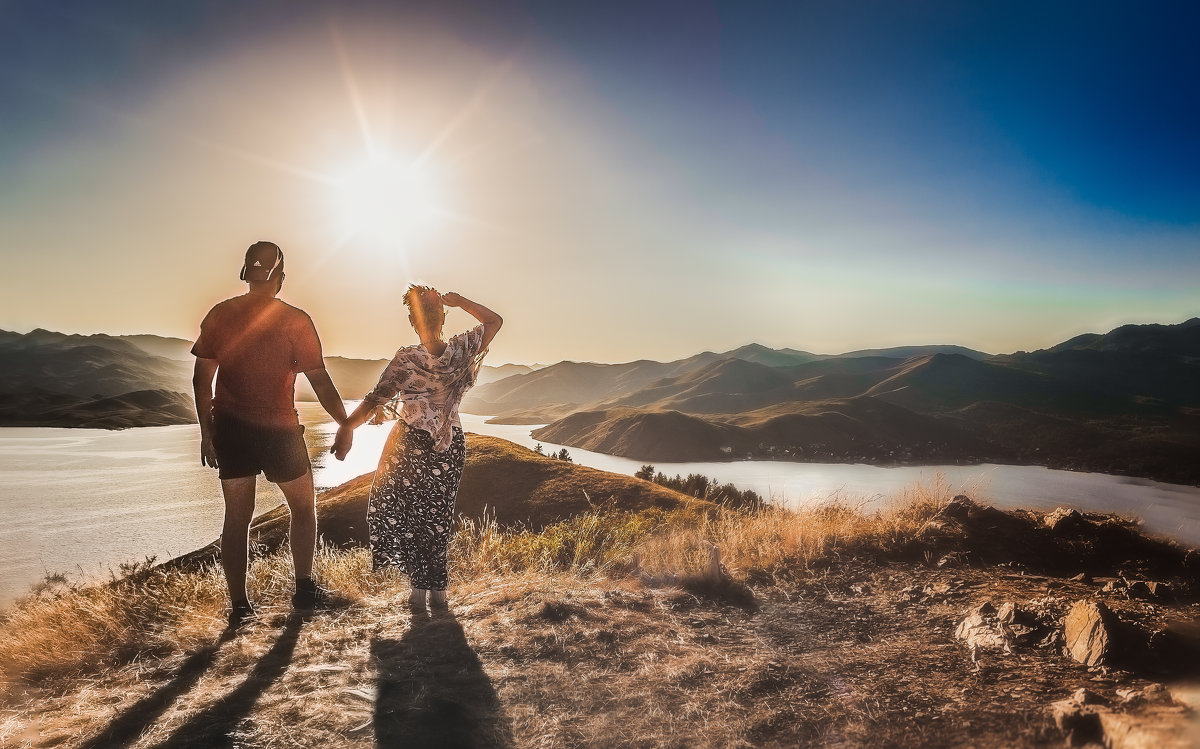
(389, 201)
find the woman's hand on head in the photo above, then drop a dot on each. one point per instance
(452, 299)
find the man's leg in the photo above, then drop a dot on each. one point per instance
(239, 509)
(301, 499)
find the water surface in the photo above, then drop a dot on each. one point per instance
(82, 501)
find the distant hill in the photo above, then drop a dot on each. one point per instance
(560, 389)
(859, 429)
(505, 481)
(143, 408)
(85, 366)
(1123, 402)
(54, 379)
(908, 352)
(1155, 364)
(169, 348)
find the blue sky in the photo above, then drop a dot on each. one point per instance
(826, 176)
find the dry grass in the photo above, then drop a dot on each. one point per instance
(774, 545)
(64, 630)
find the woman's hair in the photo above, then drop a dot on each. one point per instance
(425, 303)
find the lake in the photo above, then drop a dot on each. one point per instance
(81, 501)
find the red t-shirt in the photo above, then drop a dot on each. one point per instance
(260, 344)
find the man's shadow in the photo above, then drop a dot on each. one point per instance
(217, 724)
(131, 723)
(433, 692)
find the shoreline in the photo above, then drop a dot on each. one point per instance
(1069, 467)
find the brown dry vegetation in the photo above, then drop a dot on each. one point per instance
(606, 629)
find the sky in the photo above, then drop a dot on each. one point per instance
(618, 180)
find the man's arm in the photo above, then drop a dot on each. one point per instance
(327, 393)
(491, 321)
(202, 380)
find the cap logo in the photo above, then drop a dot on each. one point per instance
(257, 264)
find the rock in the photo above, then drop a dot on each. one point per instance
(1082, 577)
(1064, 519)
(981, 630)
(1152, 728)
(1079, 723)
(1146, 589)
(1088, 631)
(1085, 696)
(1140, 726)
(1017, 623)
(1115, 586)
(957, 509)
(1129, 696)
(936, 589)
(953, 559)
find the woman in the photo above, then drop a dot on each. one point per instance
(410, 512)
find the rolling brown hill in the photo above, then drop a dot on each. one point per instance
(503, 480)
(648, 435)
(861, 428)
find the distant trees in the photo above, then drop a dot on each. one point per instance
(697, 485)
(560, 455)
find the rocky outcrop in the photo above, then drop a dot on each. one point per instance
(1146, 718)
(1090, 633)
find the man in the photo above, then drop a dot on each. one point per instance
(255, 345)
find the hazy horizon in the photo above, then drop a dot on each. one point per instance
(494, 363)
(635, 181)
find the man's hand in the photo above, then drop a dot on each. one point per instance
(342, 443)
(452, 299)
(208, 454)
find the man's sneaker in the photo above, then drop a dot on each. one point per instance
(310, 596)
(240, 612)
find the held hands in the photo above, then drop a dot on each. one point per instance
(208, 454)
(342, 442)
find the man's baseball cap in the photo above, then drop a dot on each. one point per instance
(263, 261)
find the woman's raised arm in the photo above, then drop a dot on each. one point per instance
(491, 321)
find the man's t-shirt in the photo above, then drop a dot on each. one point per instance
(260, 344)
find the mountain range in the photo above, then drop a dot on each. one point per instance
(1127, 401)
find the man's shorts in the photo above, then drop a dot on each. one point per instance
(245, 448)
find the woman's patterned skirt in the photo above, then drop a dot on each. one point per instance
(410, 514)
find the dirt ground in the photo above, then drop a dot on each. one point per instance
(850, 656)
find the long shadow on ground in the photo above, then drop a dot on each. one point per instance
(141, 715)
(217, 724)
(433, 691)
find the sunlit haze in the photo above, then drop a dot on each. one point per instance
(619, 181)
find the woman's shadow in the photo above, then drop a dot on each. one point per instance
(433, 692)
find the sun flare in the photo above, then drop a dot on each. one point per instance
(389, 201)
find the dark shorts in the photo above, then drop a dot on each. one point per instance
(246, 449)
